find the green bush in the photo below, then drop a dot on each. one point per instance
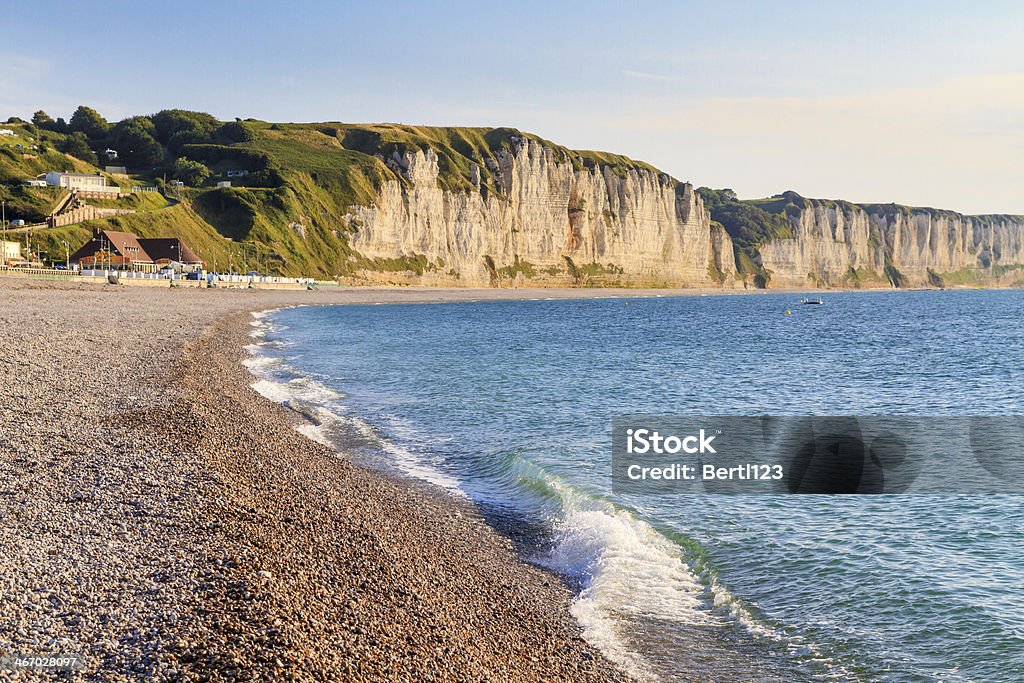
(235, 131)
(190, 172)
(246, 159)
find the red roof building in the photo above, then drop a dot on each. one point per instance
(125, 250)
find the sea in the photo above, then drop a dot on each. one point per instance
(510, 404)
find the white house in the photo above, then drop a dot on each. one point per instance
(79, 181)
(7, 131)
(224, 183)
(12, 250)
(36, 182)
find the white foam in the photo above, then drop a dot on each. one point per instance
(259, 365)
(313, 399)
(628, 571)
(314, 432)
(323, 421)
(300, 389)
(408, 462)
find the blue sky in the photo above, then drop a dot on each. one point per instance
(919, 103)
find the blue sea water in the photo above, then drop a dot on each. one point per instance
(510, 404)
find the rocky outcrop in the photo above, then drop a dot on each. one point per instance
(549, 219)
(840, 244)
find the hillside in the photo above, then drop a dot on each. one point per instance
(477, 206)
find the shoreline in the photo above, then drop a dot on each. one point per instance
(164, 519)
(453, 562)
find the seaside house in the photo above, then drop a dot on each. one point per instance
(120, 250)
(80, 181)
(126, 251)
(12, 252)
(7, 132)
(167, 250)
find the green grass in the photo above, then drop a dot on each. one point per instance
(518, 267)
(618, 164)
(964, 277)
(863, 277)
(417, 264)
(716, 274)
(1000, 270)
(139, 201)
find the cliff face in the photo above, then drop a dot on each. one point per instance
(945, 242)
(550, 221)
(828, 242)
(840, 244)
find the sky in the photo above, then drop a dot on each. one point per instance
(919, 103)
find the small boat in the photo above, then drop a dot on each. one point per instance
(810, 302)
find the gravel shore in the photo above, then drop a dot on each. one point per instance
(164, 520)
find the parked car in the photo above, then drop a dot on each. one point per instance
(195, 275)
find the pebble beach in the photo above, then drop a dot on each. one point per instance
(160, 518)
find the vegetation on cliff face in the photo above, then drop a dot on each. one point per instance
(749, 225)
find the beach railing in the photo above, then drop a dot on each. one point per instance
(39, 272)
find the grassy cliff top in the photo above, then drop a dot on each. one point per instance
(789, 201)
(458, 149)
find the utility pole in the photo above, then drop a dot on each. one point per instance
(67, 255)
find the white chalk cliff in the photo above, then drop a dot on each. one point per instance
(550, 221)
(838, 244)
(536, 214)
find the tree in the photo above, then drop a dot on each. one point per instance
(88, 121)
(190, 172)
(143, 123)
(14, 119)
(235, 131)
(171, 121)
(186, 136)
(77, 145)
(42, 119)
(135, 146)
